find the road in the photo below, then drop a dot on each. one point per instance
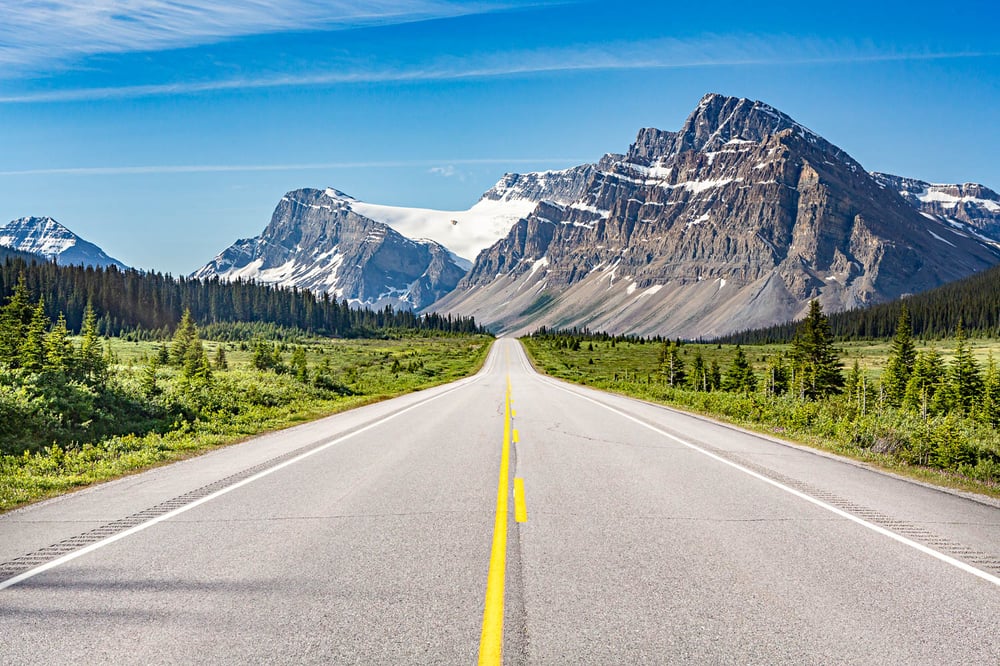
(651, 536)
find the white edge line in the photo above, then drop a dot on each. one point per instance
(947, 559)
(218, 493)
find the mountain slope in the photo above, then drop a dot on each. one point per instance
(970, 207)
(43, 236)
(734, 222)
(468, 232)
(316, 241)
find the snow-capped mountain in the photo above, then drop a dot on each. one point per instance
(969, 207)
(468, 232)
(45, 237)
(735, 221)
(373, 254)
(317, 241)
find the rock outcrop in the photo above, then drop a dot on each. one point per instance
(736, 221)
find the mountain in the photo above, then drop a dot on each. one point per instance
(468, 232)
(43, 236)
(373, 254)
(969, 207)
(733, 222)
(316, 241)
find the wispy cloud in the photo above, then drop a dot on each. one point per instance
(40, 32)
(219, 168)
(687, 53)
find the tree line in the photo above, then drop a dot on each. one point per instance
(131, 301)
(974, 301)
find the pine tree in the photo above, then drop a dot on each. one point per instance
(777, 375)
(221, 363)
(90, 357)
(184, 337)
(32, 348)
(817, 365)
(196, 362)
(989, 411)
(59, 351)
(964, 375)
(15, 317)
(298, 364)
(902, 355)
(925, 380)
(672, 364)
(740, 377)
(698, 377)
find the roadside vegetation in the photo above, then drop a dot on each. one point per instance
(80, 408)
(926, 408)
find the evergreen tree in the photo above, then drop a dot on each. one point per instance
(15, 317)
(196, 362)
(32, 348)
(698, 377)
(963, 374)
(185, 336)
(59, 351)
(989, 411)
(90, 359)
(902, 355)
(672, 364)
(714, 376)
(925, 380)
(298, 364)
(817, 365)
(221, 362)
(740, 377)
(777, 375)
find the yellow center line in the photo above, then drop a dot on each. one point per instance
(520, 506)
(491, 638)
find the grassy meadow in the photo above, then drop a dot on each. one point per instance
(954, 450)
(149, 413)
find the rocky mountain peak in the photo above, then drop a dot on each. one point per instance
(735, 221)
(45, 237)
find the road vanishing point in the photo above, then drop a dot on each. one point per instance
(504, 518)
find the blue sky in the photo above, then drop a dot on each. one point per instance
(163, 130)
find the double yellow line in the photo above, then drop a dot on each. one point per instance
(491, 638)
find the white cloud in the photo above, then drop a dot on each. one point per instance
(669, 53)
(448, 171)
(35, 33)
(211, 168)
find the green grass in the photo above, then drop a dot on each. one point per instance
(237, 404)
(940, 450)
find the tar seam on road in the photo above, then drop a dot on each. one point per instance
(947, 559)
(56, 555)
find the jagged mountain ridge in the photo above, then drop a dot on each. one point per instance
(44, 237)
(969, 207)
(316, 241)
(734, 222)
(375, 255)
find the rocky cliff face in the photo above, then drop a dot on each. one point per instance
(735, 221)
(316, 241)
(970, 207)
(44, 237)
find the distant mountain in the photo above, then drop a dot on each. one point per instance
(44, 237)
(734, 222)
(373, 254)
(317, 241)
(970, 207)
(468, 232)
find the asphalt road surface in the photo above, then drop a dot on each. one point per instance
(651, 536)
